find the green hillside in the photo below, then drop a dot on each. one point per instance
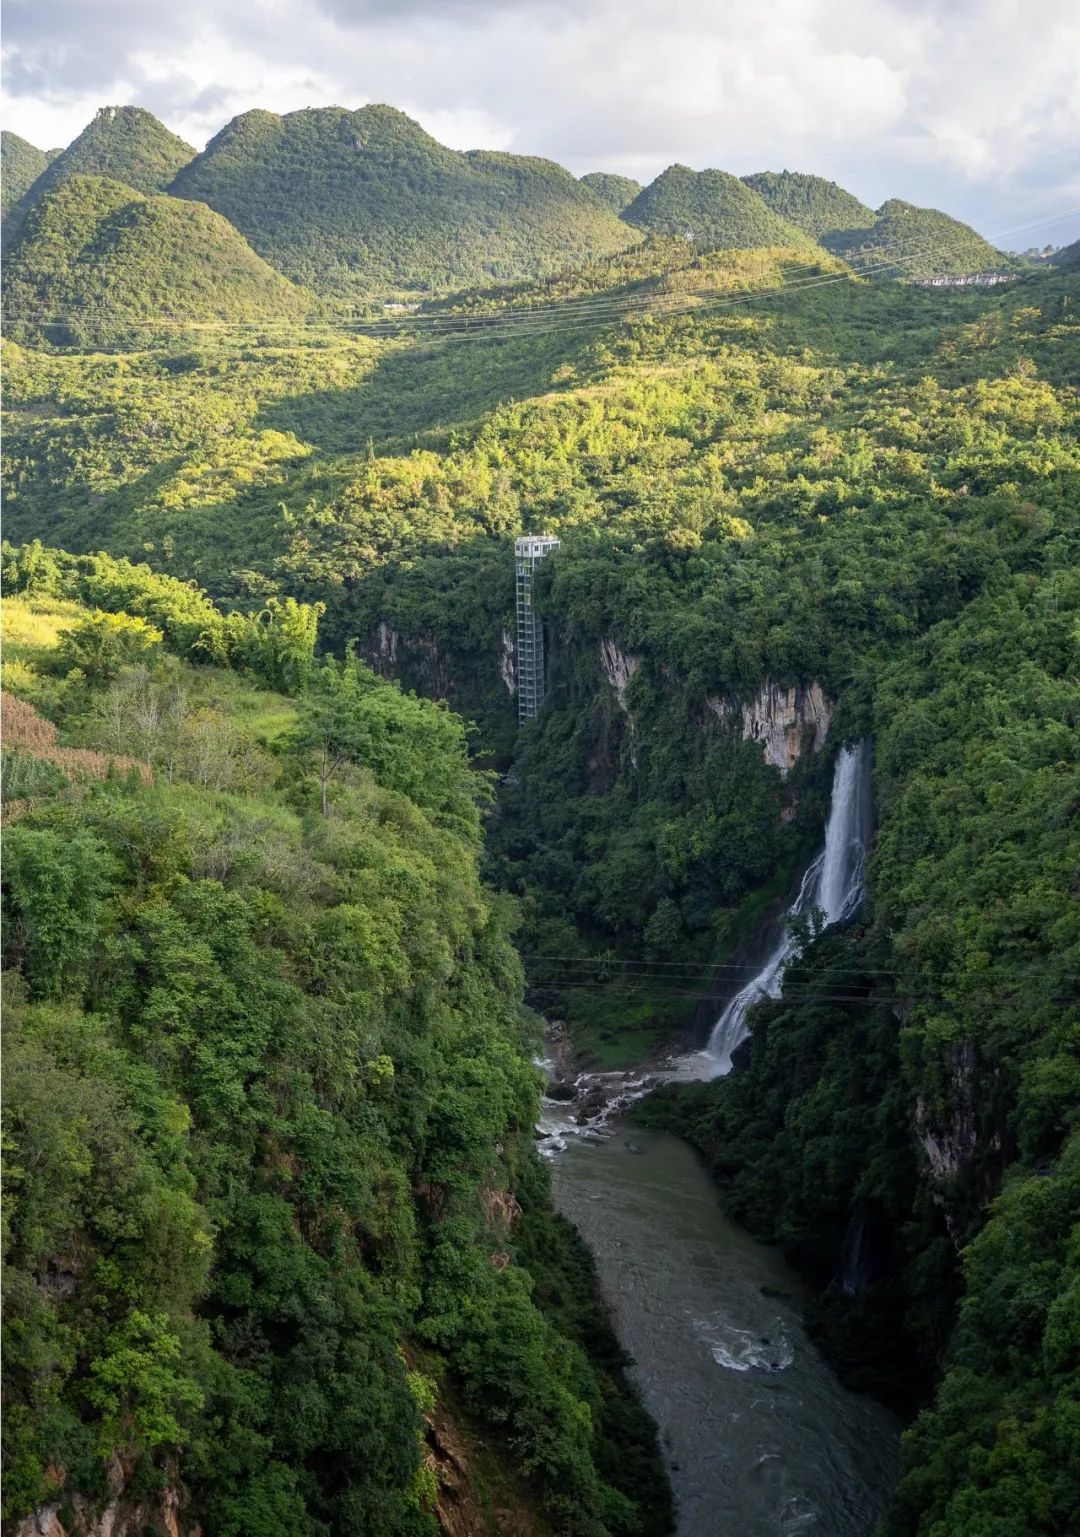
(364, 203)
(21, 163)
(817, 206)
(94, 258)
(618, 192)
(917, 242)
(126, 144)
(268, 1094)
(1068, 256)
(270, 1103)
(713, 209)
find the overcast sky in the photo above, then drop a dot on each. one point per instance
(969, 105)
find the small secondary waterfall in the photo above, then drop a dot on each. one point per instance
(856, 1264)
(835, 882)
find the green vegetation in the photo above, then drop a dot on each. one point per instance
(20, 166)
(712, 209)
(93, 262)
(765, 474)
(817, 206)
(974, 923)
(897, 241)
(1067, 256)
(124, 144)
(362, 204)
(268, 1099)
(618, 192)
(915, 242)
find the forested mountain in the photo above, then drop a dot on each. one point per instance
(1067, 256)
(618, 192)
(270, 1103)
(248, 935)
(125, 144)
(365, 203)
(94, 259)
(817, 206)
(907, 241)
(714, 210)
(20, 166)
(898, 240)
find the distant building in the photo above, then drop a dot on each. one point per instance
(966, 280)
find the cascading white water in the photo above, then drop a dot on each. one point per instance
(835, 883)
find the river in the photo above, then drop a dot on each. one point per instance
(759, 1437)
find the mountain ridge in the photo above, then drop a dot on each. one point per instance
(713, 208)
(98, 256)
(906, 240)
(618, 192)
(21, 163)
(361, 204)
(124, 144)
(815, 204)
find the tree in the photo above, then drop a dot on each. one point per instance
(102, 644)
(58, 883)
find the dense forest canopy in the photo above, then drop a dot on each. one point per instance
(268, 1091)
(711, 209)
(817, 206)
(125, 144)
(21, 163)
(95, 261)
(618, 192)
(265, 906)
(364, 203)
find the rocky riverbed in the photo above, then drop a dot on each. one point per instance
(579, 1103)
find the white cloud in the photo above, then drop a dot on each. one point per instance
(970, 104)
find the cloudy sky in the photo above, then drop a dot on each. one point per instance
(971, 105)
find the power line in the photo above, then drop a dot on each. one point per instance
(536, 319)
(599, 962)
(805, 994)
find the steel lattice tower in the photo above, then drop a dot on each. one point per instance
(529, 551)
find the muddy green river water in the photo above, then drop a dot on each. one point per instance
(760, 1438)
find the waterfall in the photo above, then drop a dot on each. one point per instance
(835, 882)
(856, 1263)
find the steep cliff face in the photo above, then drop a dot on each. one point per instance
(124, 1515)
(477, 683)
(619, 667)
(508, 662)
(415, 660)
(783, 720)
(385, 644)
(962, 1155)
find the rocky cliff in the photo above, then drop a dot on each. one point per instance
(783, 720)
